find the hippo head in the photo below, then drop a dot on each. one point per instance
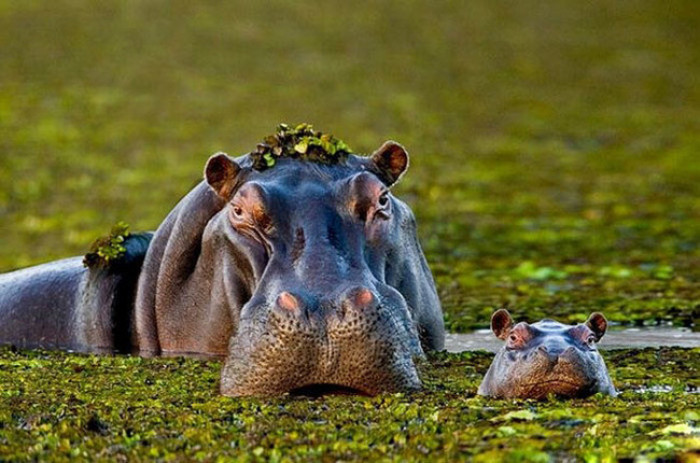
(326, 284)
(547, 357)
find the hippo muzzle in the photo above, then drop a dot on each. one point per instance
(542, 371)
(365, 342)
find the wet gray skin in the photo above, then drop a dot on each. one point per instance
(546, 358)
(302, 276)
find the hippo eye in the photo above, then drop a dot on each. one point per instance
(514, 341)
(384, 199)
(237, 211)
(590, 341)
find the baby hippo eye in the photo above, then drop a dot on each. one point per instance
(384, 199)
(590, 341)
(514, 341)
(237, 211)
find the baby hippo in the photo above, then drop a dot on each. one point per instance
(547, 357)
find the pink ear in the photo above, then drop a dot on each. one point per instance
(221, 172)
(501, 323)
(598, 324)
(390, 162)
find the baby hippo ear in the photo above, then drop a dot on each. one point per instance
(389, 162)
(501, 323)
(221, 173)
(598, 324)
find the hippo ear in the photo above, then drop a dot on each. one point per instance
(501, 322)
(221, 173)
(598, 324)
(389, 162)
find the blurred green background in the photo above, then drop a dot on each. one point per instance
(555, 145)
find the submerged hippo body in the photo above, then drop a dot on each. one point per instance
(64, 305)
(546, 358)
(302, 274)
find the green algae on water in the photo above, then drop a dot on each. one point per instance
(60, 406)
(108, 249)
(299, 142)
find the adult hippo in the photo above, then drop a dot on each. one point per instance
(547, 357)
(302, 271)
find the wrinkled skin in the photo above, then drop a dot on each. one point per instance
(546, 358)
(300, 275)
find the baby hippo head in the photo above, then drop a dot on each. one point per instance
(547, 357)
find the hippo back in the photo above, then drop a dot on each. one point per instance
(37, 304)
(64, 305)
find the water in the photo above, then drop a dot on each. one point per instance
(662, 336)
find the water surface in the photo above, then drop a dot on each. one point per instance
(613, 339)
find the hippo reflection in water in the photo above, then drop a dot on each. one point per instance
(304, 274)
(547, 357)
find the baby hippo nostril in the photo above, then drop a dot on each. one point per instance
(360, 298)
(552, 355)
(569, 353)
(288, 301)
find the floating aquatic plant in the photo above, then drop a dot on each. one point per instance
(299, 142)
(56, 406)
(107, 249)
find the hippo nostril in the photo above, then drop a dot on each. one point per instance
(360, 298)
(552, 355)
(569, 353)
(363, 297)
(288, 301)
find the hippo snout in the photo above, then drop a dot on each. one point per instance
(360, 339)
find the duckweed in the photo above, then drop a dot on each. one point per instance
(553, 171)
(63, 406)
(299, 142)
(108, 249)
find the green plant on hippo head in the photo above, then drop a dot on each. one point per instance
(299, 142)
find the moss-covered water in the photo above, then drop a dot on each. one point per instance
(554, 170)
(126, 408)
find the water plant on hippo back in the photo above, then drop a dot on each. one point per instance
(546, 358)
(294, 261)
